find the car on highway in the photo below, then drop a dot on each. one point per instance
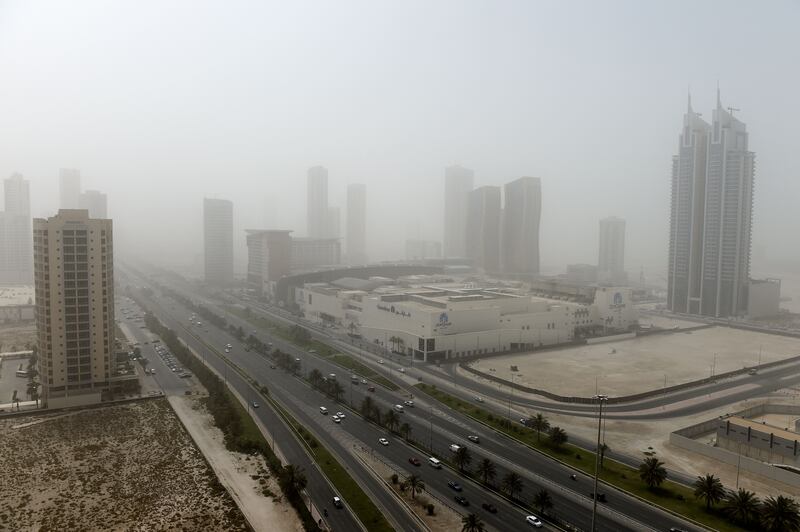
(402, 370)
(380, 361)
(337, 502)
(414, 461)
(383, 441)
(371, 389)
(340, 415)
(533, 521)
(601, 497)
(479, 398)
(489, 507)
(363, 381)
(336, 419)
(676, 529)
(323, 411)
(453, 485)
(408, 403)
(398, 409)
(473, 438)
(460, 499)
(255, 404)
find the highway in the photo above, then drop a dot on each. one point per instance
(570, 497)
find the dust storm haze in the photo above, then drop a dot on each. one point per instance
(160, 104)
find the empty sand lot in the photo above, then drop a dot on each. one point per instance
(641, 364)
(124, 467)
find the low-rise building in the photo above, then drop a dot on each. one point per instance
(759, 441)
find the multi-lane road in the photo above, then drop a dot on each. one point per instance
(432, 425)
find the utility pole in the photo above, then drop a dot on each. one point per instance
(600, 400)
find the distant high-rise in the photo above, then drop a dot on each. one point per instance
(458, 183)
(70, 188)
(317, 214)
(95, 202)
(16, 236)
(711, 216)
(74, 265)
(269, 257)
(520, 233)
(333, 225)
(611, 261)
(218, 239)
(311, 253)
(483, 228)
(356, 224)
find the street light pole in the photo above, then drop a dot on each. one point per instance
(600, 399)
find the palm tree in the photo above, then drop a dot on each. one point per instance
(336, 390)
(487, 471)
(709, 488)
(367, 406)
(463, 458)
(415, 484)
(315, 378)
(652, 472)
(391, 420)
(558, 436)
(540, 424)
(512, 483)
(603, 449)
(742, 506)
(780, 514)
(292, 479)
(472, 523)
(405, 430)
(543, 501)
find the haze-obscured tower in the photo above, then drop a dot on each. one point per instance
(711, 216)
(74, 279)
(16, 236)
(95, 202)
(356, 224)
(70, 188)
(218, 240)
(520, 233)
(458, 183)
(611, 262)
(317, 214)
(483, 228)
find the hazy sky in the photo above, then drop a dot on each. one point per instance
(160, 103)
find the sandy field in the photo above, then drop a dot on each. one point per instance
(641, 364)
(122, 467)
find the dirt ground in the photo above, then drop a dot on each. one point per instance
(122, 467)
(246, 478)
(641, 364)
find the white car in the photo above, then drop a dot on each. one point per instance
(383, 441)
(402, 370)
(408, 403)
(336, 419)
(363, 381)
(340, 415)
(479, 398)
(380, 361)
(533, 521)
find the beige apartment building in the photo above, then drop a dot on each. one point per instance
(74, 279)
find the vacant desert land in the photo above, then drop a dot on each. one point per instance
(123, 467)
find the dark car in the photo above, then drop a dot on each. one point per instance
(601, 497)
(371, 388)
(491, 508)
(454, 485)
(414, 461)
(460, 499)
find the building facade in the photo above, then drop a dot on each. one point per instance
(69, 188)
(311, 253)
(520, 233)
(423, 249)
(74, 280)
(458, 183)
(483, 228)
(611, 260)
(218, 241)
(16, 234)
(356, 238)
(317, 214)
(711, 216)
(269, 257)
(95, 202)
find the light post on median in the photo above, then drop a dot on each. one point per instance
(600, 400)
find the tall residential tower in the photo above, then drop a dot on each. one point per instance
(483, 227)
(317, 213)
(520, 234)
(611, 260)
(458, 183)
(16, 236)
(218, 240)
(711, 216)
(69, 188)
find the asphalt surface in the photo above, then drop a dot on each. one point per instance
(571, 499)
